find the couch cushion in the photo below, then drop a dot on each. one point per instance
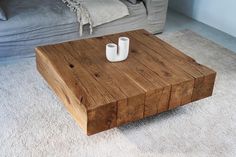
(30, 15)
(2, 15)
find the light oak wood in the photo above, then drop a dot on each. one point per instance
(101, 95)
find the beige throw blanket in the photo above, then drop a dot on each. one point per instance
(97, 12)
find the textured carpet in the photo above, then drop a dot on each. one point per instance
(33, 122)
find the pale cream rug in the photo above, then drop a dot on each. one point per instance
(33, 122)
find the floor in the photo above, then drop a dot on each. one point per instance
(35, 123)
(176, 22)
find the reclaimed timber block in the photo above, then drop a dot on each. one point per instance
(101, 95)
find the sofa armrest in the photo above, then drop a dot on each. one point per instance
(156, 11)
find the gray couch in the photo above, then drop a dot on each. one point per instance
(37, 22)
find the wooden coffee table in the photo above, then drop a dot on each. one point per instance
(101, 95)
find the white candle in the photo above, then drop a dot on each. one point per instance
(123, 47)
(111, 52)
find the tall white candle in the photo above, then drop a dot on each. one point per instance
(123, 47)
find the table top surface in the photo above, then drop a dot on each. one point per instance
(152, 64)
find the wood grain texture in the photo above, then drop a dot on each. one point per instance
(101, 95)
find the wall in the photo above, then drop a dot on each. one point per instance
(220, 14)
